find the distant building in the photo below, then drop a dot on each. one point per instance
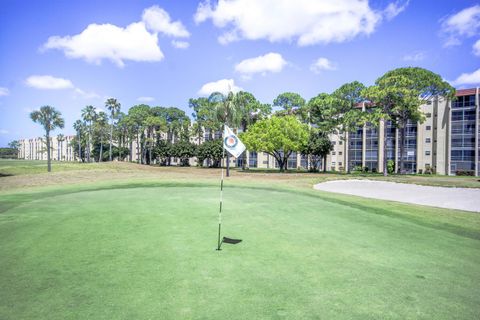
(447, 142)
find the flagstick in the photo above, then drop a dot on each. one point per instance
(221, 197)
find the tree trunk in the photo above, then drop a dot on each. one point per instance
(138, 150)
(130, 156)
(111, 140)
(100, 158)
(402, 146)
(88, 147)
(324, 163)
(79, 147)
(385, 170)
(49, 165)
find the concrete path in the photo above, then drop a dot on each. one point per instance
(451, 198)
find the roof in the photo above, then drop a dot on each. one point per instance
(466, 92)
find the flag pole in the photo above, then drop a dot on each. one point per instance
(219, 243)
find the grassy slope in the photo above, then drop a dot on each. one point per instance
(109, 241)
(148, 253)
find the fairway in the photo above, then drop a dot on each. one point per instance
(148, 252)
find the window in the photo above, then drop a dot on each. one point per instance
(333, 153)
(428, 128)
(428, 115)
(333, 163)
(340, 142)
(334, 142)
(428, 140)
(427, 153)
(340, 153)
(340, 164)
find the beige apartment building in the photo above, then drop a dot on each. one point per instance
(447, 142)
(36, 149)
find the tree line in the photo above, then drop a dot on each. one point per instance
(289, 124)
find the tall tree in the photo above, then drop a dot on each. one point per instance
(60, 139)
(137, 115)
(113, 106)
(277, 136)
(50, 119)
(427, 85)
(290, 102)
(100, 131)
(15, 145)
(317, 148)
(79, 126)
(89, 115)
(249, 110)
(388, 97)
(152, 123)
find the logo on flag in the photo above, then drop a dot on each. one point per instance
(231, 143)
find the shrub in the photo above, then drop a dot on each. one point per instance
(365, 169)
(465, 172)
(390, 166)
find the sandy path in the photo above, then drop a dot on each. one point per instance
(451, 198)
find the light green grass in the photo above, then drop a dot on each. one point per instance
(23, 167)
(146, 251)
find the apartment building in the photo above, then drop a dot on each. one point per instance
(36, 149)
(446, 142)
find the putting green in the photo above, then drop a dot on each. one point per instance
(149, 253)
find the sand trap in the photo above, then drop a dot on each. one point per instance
(450, 198)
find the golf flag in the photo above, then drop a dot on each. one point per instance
(231, 143)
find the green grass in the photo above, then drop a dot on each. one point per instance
(22, 167)
(146, 251)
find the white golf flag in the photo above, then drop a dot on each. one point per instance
(231, 143)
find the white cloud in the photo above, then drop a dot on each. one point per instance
(322, 64)
(180, 44)
(476, 48)
(136, 42)
(270, 62)
(224, 86)
(86, 95)
(158, 20)
(4, 91)
(415, 56)
(468, 78)
(465, 23)
(107, 41)
(307, 22)
(395, 8)
(3, 131)
(48, 83)
(145, 99)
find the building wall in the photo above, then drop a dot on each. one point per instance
(36, 149)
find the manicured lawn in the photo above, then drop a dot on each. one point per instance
(146, 251)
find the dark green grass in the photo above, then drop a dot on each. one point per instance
(148, 253)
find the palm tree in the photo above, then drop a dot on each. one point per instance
(60, 139)
(114, 107)
(50, 119)
(89, 115)
(101, 123)
(78, 126)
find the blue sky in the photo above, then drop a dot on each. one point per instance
(69, 54)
